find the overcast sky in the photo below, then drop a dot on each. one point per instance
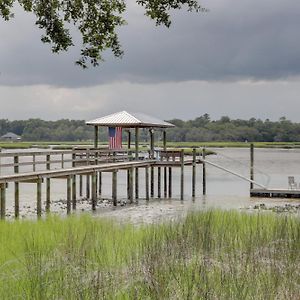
(241, 59)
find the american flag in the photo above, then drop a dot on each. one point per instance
(115, 137)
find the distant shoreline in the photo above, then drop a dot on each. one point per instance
(182, 145)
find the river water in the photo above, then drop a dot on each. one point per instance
(224, 190)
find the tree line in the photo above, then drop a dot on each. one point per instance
(200, 129)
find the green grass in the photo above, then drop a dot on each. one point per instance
(286, 145)
(187, 145)
(208, 255)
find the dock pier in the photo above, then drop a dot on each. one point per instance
(40, 167)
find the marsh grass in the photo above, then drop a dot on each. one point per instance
(208, 255)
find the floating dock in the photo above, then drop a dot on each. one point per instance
(275, 193)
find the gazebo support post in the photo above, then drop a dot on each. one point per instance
(136, 143)
(96, 137)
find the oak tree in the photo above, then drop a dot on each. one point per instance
(96, 20)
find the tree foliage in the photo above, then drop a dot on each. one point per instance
(96, 20)
(201, 129)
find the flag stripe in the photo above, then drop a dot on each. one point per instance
(115, 137)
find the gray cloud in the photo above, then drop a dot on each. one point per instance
(236, 40)
(185, 100)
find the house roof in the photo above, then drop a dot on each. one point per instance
(10, 135)
(129, 120)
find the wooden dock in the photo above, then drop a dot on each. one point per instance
(275, 193)
(72, 165)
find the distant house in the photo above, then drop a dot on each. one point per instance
(10, 136)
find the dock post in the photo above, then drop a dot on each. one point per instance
(17, 191)
(69, 194)
(194, 174)
(147, 182)
(136, 183)
(203, 172)
(170, 182)
(159, 182)
(33, 162)
(3, 200)
(114, 187)
(251, 165)
(80, 185)
(94, 190)
(88, 183)
(130, 185)
(39, 198)
(152, 181)
(74, 192)
(136, 158)
(99, 183)
(182, 175)
(165, 168)
(165, 182)
(48, 189)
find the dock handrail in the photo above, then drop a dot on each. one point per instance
(233, 173)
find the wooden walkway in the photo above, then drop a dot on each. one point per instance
(72, 165)
(275, 193)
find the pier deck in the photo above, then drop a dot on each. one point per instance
(275, 193)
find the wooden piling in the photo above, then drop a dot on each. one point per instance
(69, 194)
(88, 186)
(203, 172)
(165, 182)
(194, 174)
(74, 192)
(99, 184)
(88, 183)
(130, 185)
(33, 163)
(251, 165)
(80, 185)
(182, 175)
(94, 190)
(17, 191)
(136, 158)
(147, 182)
(165, 168)
(39, 198)
(114, 187)
(136, 183)
(159, 182)
(152, 181)
(170, 182)
(62, 161)
(3, 201)
(48, 187)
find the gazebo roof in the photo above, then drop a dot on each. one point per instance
(129, 120)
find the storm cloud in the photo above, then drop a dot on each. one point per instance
(241, 59)
(235, 40)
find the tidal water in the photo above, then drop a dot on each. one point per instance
(224, 190)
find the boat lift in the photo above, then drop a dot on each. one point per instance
(233, 173)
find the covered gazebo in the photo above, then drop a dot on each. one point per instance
(135, 121)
